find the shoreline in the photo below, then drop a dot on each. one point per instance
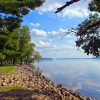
(32, 79)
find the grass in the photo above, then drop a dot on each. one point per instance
(5, 70)
(9, 87)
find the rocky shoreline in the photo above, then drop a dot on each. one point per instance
(32, 79)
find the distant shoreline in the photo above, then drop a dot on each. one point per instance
(65, 58)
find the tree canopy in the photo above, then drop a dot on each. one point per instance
(12, 11)
(15, 40)
(87, 32)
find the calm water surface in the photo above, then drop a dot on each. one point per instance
(82, 75)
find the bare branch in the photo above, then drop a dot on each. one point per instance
(72, 30)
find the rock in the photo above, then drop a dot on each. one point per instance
(4, 84)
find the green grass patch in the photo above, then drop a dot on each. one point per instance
(9, 87)
(7, 69)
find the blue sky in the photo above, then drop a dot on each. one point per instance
(48, 29)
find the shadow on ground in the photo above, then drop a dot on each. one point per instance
(16, 94)
(25, 94)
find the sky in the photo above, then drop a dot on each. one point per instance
(48, 29)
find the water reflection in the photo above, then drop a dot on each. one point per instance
(82, 75)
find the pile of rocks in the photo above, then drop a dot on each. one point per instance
(30, 78)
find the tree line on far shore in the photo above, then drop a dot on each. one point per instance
(15, 39)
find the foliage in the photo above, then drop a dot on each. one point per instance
(88, 32)
(90, 40)
(94, 5)
(36, 56)
(8, 44)
(12, 12)
(26, 48)
(17, 46)
(2, 56)
(15, 40)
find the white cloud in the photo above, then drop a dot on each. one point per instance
(45, 41)
(59, 32)
(54, 34)
(49, 5)
(35, 24)
(51, 46)
(45, 44)
(75, 12)
(38, 33)
(79, 9)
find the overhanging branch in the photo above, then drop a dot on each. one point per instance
(89, 27)
(66, 5)
(82, 33)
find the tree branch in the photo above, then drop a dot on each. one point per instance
(66, 5)
(84, 31)
(89, 27)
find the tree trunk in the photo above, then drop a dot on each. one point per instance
(1, 62)
(14, 61)
(26, 62)
(20, 61)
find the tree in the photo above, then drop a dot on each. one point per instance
(88, 32)
(2, 57)
(29, 53)
(14, 39)
(16, 47)
(95, 6)
(8, 45)
(89, 40)
(26, 48)
(12, 12)
(24, 42)
(36, 56)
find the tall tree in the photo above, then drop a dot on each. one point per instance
(8, 45)
(24, 41)
(11, 42)
(26, 48)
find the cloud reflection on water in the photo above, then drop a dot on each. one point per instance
(74, 74)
